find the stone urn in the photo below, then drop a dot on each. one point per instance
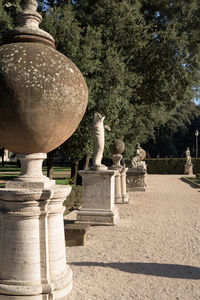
(43, 95)
(116, 148)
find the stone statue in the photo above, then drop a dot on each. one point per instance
(98, 138)
(137, 161)
(188, 165)
(141, 153)
(188, 157)
(136, 174)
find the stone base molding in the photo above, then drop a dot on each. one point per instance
(188, 169)
(98, 207)
(32, 242)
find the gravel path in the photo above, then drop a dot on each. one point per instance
(152, 253)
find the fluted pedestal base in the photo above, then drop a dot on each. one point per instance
(32, 244)
(98, 207)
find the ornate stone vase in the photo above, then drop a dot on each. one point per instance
(43, 95)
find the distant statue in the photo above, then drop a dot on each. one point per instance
(188, 157)
(141, 153)
(188, 165)
(98, 138)
(137, 161)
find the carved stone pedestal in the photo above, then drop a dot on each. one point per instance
(98, 207)
(188, 169)
(136, 180)
(32, 243)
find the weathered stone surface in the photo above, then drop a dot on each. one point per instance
(188, 169)
(98, 142)
(125, 195)
(32, 252)
(32, 243)
(43, 97)
(121, 196)
(76, 234)
(188, 166)
(98, 207)
(136, 180)
(117, 146)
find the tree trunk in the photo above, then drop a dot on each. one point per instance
(74, 171)
(83, 165)
(50, 159)
(77, 165)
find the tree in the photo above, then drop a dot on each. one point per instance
(148, 65)
(140, 60)
(177, 133)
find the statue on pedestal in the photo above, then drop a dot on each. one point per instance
(98, 205)
(43, 99)
(137, 161)
(188, 165)
(136, 175)
(188, 157)
(98, 138)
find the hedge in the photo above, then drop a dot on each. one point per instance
(170, 165)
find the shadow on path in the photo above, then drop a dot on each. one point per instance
(192, 184)
(154, 269)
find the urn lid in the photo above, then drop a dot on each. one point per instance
(28, 26)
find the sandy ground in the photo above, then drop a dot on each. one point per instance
(152, 253)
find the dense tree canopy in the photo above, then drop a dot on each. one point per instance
(178, 133)
(140, 59)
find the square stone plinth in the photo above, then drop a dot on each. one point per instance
(76, 234)
(98, 207)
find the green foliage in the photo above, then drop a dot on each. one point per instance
(172, 138)
(170, 165)
(73, 201)
(62, 181)
(140, 59)
(193, 181)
